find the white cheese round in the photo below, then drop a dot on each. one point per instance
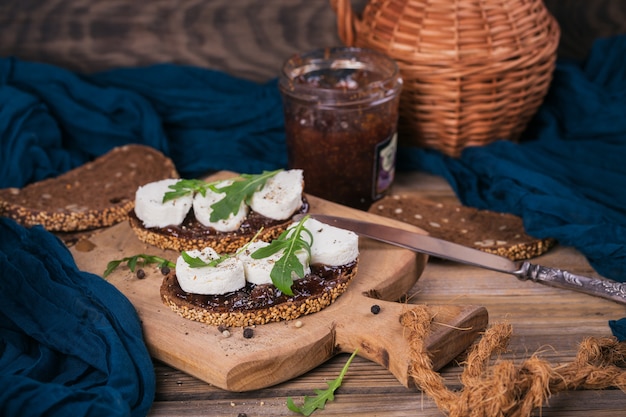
(227, 276)
(153, 212)
(202, 210)
(331, 245)
(258, 270)
(281, 195)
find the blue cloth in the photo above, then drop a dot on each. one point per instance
(53, 120)
(618, 327)
(70, 343)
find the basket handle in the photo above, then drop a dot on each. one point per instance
(346, 20)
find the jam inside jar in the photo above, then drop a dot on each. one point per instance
(341, 115)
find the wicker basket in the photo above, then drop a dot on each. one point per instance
(474, 71)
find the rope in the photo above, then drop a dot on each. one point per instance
(504, 388)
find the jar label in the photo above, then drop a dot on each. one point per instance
(384, 165)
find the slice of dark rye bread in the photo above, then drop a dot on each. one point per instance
(94, 195)
(260, 304)
(498, 233)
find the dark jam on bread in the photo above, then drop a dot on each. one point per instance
(322, 279)
(191, 228)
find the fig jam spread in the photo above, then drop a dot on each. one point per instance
(322, 279)
(191, 228)
(341, 113)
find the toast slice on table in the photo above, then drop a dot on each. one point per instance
(97, 194)
(502, 234)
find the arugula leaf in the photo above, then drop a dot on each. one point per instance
(290, 241)
(240, 190)
(184, 187)
(199, 263)
(132, 262)
(311, 404)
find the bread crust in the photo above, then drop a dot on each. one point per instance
(289, 309)
(97, 194)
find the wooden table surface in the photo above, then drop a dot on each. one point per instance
(547, 322)
(251, 39)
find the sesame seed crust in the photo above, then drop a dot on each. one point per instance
(66, 221)
(288, 310)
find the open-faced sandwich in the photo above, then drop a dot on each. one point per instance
(223, 215)
(301, 272)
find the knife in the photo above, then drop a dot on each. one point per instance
(454, 252)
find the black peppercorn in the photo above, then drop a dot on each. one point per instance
(165, 270)
(248, 333)
(375, 309)
(242, 415)
(141, 274)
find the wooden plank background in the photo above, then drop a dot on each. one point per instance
(246, 38)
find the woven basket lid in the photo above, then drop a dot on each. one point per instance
(449, 30)
(474, 71)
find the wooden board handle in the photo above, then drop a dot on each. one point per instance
(381, 337)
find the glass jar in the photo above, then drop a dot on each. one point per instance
(341, 115)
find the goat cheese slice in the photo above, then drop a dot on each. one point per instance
(202, 210)
(153, 212)
(281, 195)
(227, 276)
(258, 270)
(331, 246)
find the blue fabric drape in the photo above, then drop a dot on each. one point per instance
(53, 120)
(70, 343)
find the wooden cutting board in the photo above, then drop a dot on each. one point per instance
(280, 351)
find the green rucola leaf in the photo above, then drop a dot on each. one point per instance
(240, 190)
(199, 263)
(311, 404)
(281, 273)
(133, 261)
(111, 266)
(192, 261)
(184, 187)
(290, 242)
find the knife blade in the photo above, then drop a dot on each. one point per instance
(443, 249)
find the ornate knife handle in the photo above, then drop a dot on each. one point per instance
(554, 277)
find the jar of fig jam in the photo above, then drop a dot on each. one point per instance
(341, 115)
